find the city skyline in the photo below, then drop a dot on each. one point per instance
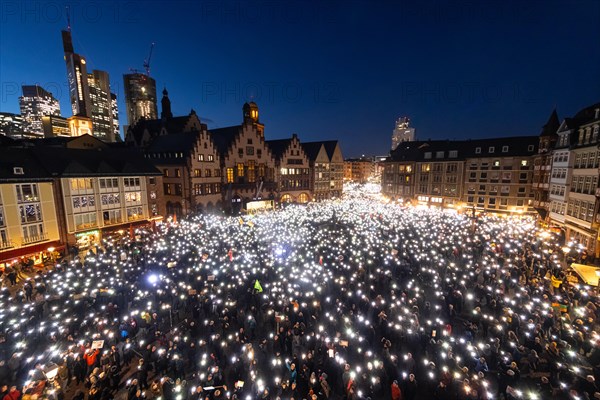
(370, 69)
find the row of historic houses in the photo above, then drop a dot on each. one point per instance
(70, 192)
(234, 168)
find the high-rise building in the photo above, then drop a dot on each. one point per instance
(35, 104)
(11, 125)
(402, 132)
(90, 94)
(101, 101)
(79, 90)
(115, 115)
(140, 97)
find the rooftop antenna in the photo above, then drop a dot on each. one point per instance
(68, 9)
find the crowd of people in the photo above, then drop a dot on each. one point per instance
(352, 299)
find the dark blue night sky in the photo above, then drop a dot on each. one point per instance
(327, 69)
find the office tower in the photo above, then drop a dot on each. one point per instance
(35, 104)
(140, 97)
(101, 102)
(402, 132)
(79, 91)
(11, 125)
(89, 93)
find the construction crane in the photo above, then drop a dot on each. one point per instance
(147, 61)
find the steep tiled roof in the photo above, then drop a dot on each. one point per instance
(551, 126)
(330, 146)
(177, 142)
(278, 147)
(76, 162)
(20, 157)
(586, 115)
(224, 137)
(312, 149)
(515, 146)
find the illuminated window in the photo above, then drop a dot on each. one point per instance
(198, 173)
(229, 175)
(251, 175)
(240, 169)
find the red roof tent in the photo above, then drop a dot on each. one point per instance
(23, 251)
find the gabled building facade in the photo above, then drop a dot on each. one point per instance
(327, 169)
(247, 163)
(292, 170)
(581, 218)
(542, 166)
(560, 175)
(191, 171)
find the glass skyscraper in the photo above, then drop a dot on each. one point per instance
(140, 97)
(35, 104)
(89, 93)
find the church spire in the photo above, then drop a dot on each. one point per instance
(166, 106)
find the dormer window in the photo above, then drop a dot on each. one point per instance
(18, 171)
(477, 150)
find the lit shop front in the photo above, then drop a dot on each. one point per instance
(86, 240)
(35, 255)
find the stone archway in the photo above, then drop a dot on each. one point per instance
(303, 198)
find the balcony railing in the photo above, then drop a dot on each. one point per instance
(6, 244)
(34, 239)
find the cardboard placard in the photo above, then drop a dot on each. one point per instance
(97, 344)
(344, 343)
(210, 278)
(192, 292)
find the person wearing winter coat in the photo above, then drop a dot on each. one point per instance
(396, 392)
(13, 394)
(325, 388)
